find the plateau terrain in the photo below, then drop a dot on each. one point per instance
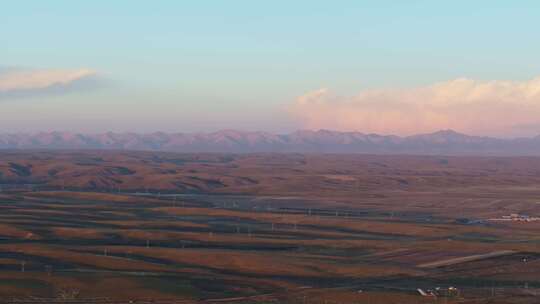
(153, 227)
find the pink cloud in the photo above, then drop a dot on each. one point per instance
(476, 107)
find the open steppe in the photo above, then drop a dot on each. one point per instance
(134, 226)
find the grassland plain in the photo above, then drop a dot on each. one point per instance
(140, 226)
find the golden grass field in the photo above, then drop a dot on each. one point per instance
(267, 228)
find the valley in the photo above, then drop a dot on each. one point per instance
(114, 227)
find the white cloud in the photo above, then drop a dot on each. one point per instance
(476, 107)
(29, 82)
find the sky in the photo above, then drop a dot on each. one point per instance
(390, 67)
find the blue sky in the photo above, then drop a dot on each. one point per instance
(207, 65)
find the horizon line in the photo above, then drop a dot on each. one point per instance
(439, 131)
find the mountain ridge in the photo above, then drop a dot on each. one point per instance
(443, 142)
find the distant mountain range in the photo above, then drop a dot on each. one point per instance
(446, 142)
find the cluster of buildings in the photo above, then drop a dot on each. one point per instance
(439, 291)
(515, 217)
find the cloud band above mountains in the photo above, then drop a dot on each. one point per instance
(489, 108)
(15, 82)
